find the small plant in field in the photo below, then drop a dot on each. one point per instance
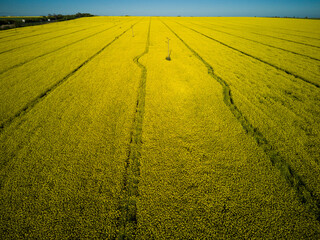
(169, 52)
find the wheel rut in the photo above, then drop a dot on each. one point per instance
(304, 193)
(256, 58)
(45, 40)
(127, 222)
(48, 91)
(265, 44)
(47, 53)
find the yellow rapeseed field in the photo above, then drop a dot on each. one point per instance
(103, 137)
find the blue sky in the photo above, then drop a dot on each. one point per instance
(290, 8)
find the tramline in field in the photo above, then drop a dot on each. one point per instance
(103, 138)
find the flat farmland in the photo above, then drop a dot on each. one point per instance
(102, 137)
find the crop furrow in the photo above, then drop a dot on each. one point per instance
(300, 36)
(284, 39)
(11, 35)
(127, 222)
(38, 34)
(265, 44)
(259, 59)
(44, 54)
(294, 30)
(305, 194)
(45, 40)
(259, 26)
(44, 94)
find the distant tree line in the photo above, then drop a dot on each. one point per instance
(14, 22)
(292, 17)
(60, 17)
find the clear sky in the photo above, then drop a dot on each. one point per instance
(290, 8)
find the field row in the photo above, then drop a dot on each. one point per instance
(281, 106)
(33, 76)
(304, 63)
(102, 137)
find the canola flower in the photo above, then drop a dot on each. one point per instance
(101, 137)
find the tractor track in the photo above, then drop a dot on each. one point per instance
(250, 25)
(11, 35)
(38, 34)
(256, 58)
(305, 194)
(284, 39)
(47, 53)
(127, 222)
(313, 38)
(48, 91)
(45, 40)
(268, 45)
